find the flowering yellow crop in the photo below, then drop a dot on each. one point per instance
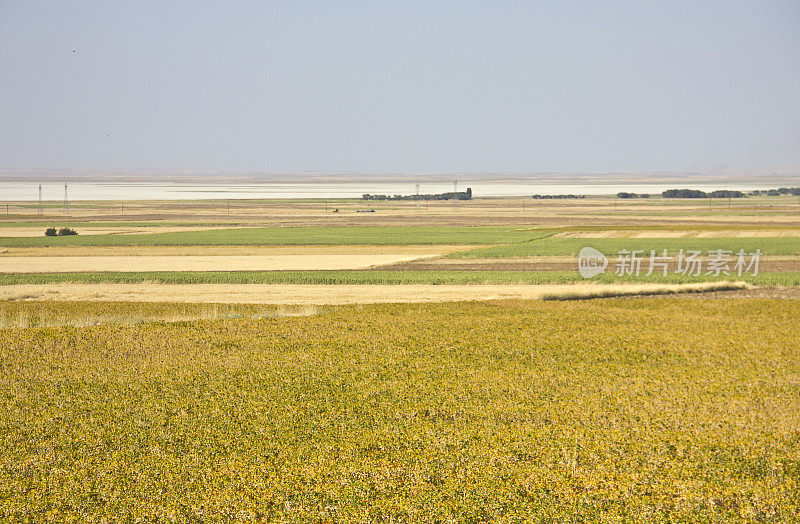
(643, 410)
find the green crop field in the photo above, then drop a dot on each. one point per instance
(646, 410)
(755, 212)
(356, 235)
(553, 246)
(634, 226)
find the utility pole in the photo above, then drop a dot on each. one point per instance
(66, 201)
(40, 199)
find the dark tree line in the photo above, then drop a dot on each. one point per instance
(696, 193)
(460, 195)
(723, 193)
(794, 191)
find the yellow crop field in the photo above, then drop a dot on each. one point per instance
(636, 410)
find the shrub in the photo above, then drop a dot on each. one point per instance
(723, 193)
(65, 231)
(684, 193)
(50, 232)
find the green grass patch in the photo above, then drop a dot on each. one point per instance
(556, 246)
(679, 227)
(695, 213)
(356, 235)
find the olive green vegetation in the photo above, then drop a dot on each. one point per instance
(754, 212)
(677, 227)
(644, 410)
(21, 314)
(297, 277)
(381, 277)
(78, 223)
(557, 246)
(354, 235)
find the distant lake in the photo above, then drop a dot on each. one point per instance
(23, 191)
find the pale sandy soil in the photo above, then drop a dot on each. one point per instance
(680, 234)
(20, 232)
(23, 232)
(300, 294)
(69, 264)
(87, 251)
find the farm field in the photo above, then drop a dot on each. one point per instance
(399, 262)
(283, 236)
(560, 246)
(513, 411)
(340, 293)
(282, 362)
(752, 213)
(141, 263)
(378, 276)
(698, 233)
(484, 241)
(319, 250)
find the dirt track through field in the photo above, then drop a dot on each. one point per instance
(301, 294)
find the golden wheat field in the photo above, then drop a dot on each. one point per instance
(634, 410)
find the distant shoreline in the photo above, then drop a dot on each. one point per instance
(143, 190)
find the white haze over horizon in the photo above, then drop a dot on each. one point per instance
(433, 87)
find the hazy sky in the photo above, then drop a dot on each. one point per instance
(400, 86)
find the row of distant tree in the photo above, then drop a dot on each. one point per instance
(724, 193)
(690, 193)
(623, 194)
(696, 193)
(795, 191)
(459, 195)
